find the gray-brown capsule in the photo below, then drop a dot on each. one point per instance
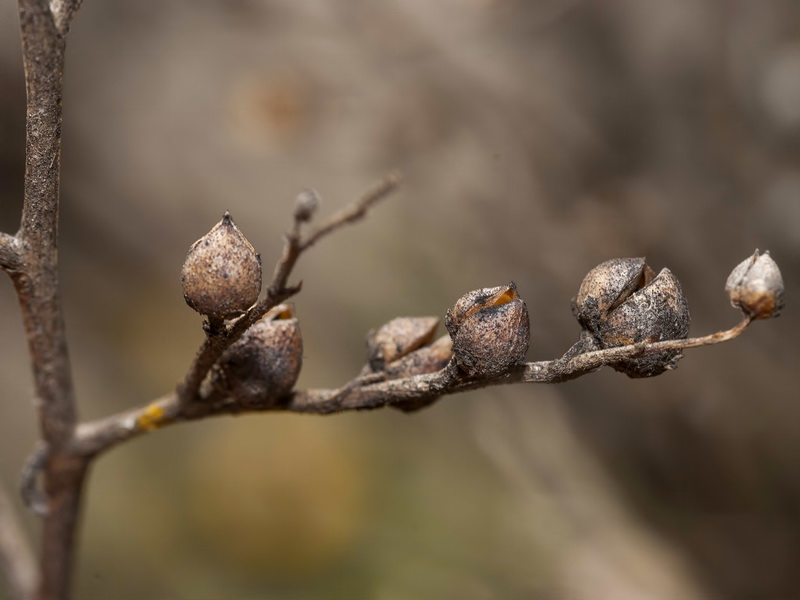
(490, 330)
(622, 304)
(608, 285)
(428, 359)
(756, 286)
(264, 364)
(221, 275)
(397, 338)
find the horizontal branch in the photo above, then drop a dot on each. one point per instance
(365, 393)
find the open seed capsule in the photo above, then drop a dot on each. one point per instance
(490, 330)
(264, 363)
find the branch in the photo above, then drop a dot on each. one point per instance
(217, 341)
(364, 393)
(37, 284)
(34, 270)
(17, 561)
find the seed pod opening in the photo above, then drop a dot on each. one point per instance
(607, 286)
(490, 329)
(428, 359)
(756, 286)
(659, 311)
(621, 301)
(264, 364)
(397, 338)
(221, 275)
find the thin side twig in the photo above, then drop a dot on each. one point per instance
(17, 560)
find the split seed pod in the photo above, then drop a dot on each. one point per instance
(221, 276)
(756, 286)
(621, 303)
(427, 359)
(397, 338)
(263, 365)
(490, 330)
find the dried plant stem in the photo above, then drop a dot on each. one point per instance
(365, 393)
(31, 259)
(17, 561)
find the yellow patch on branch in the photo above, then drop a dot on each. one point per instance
(152, 418)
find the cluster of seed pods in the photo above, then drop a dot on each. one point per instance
(621, 301)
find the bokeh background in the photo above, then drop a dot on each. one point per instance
(537, 139)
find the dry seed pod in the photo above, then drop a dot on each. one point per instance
(427, 359)
(608, 285)
(656, 312)
(490, 330)
(397, 338)
(221, 276)
(756, 286)
(265, 362)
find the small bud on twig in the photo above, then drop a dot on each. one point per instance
(490, 330)
(756, 287)
(305, 205)
(221, 276)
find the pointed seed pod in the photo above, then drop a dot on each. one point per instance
(658, 311)
(397, 338)
(490, 330)
(756, 287)
(264, 364)
(221, 276)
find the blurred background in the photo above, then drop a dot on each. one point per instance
(537, 139)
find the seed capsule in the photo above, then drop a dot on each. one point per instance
(622, 302)
(756, 286)
(397, 338)
(490, 330)
(221, 276)
(608, 285)
(264, 364)
(656, 312)
(427, 359)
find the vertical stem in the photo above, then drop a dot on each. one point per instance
(37, 285)
(64, 477)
